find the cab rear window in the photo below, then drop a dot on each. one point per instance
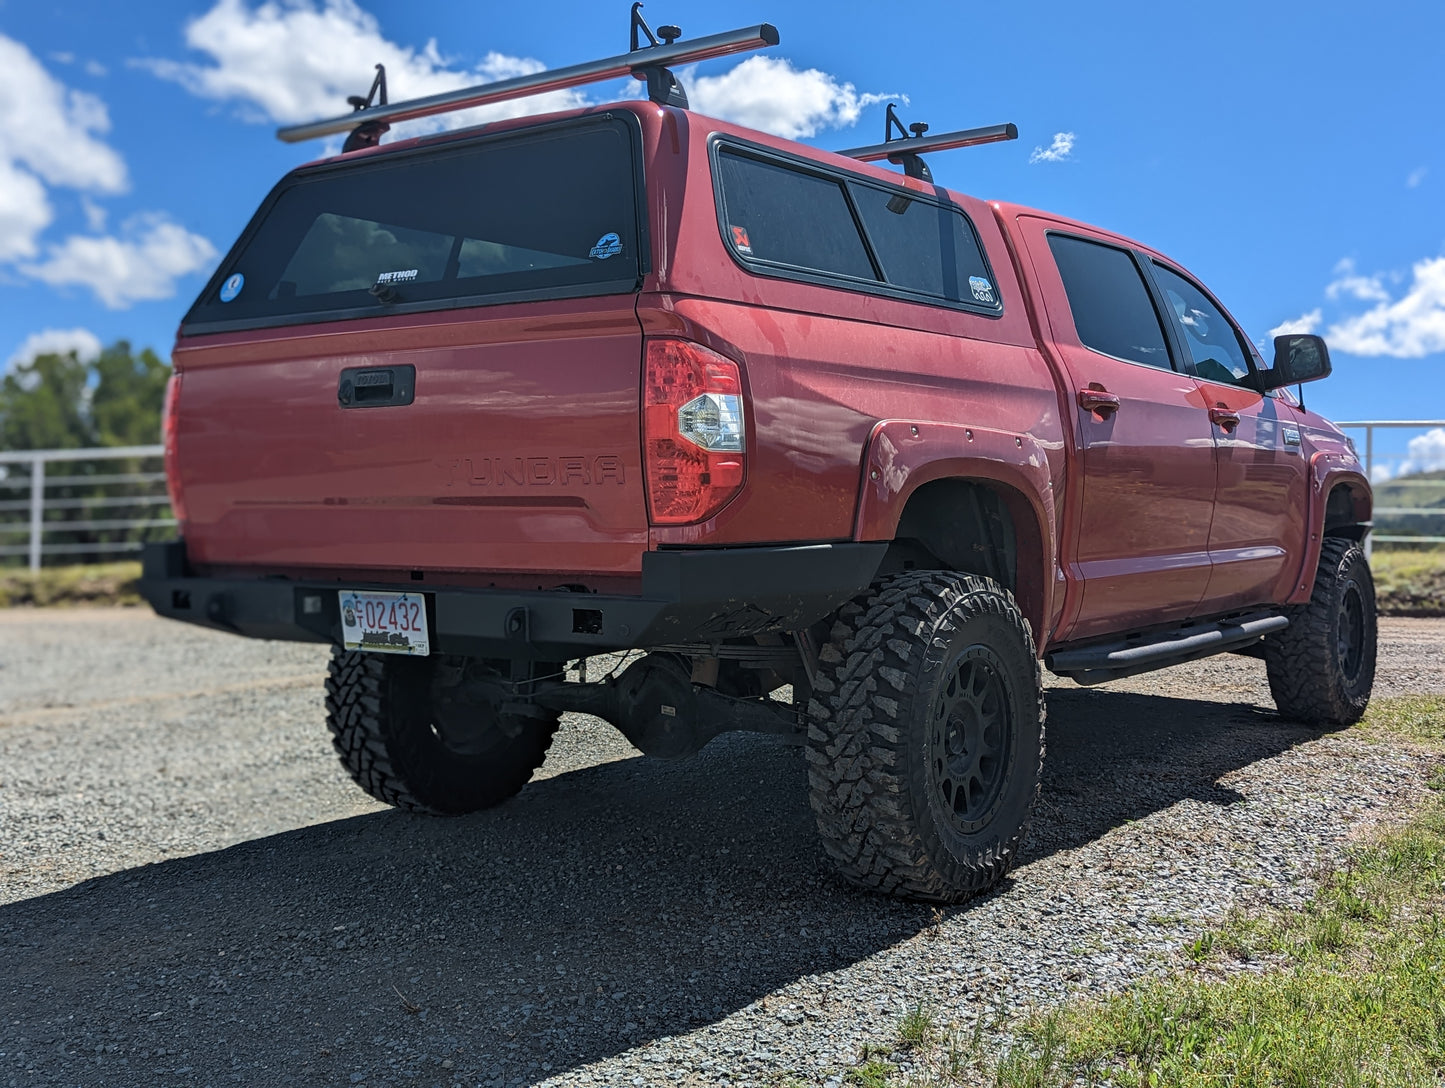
(551, 212)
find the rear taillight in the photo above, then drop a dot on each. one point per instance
(693, 432)
(168, 439)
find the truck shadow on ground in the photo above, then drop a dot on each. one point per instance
(601, 909)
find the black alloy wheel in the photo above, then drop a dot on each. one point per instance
(1351, 642)
(969, 745)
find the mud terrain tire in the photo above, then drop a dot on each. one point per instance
(925, 737)
(1322, 666)
(379, 711)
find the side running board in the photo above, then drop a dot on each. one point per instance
(1129, 656)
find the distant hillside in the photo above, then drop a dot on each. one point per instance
(1420, 489)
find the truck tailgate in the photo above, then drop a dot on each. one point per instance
(519, 451)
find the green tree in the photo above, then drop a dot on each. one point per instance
(43, 404)
(129, 392)
(58, 402)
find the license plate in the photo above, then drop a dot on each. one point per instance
(388, 623)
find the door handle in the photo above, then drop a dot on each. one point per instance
(1225, 418)
(1099, 401)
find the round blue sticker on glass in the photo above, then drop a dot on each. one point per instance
(609, 245)
(232, 287)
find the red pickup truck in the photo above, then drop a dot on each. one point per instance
(834, 452)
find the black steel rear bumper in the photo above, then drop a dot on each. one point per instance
(688, 596)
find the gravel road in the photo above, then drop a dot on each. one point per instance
(192, 893)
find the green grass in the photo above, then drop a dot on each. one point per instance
(1413, 718)
(1409, 583)
(874, 1073)
(1349, 991)
(917, 1028)
(106, 583)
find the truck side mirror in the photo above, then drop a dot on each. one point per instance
(1297, 358)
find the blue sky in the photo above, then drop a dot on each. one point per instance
(1290, 154)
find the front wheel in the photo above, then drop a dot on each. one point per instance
(925, 739)
(1322, 666)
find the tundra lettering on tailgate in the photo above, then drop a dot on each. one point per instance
(536, 471)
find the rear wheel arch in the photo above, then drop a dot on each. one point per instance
(974, 526)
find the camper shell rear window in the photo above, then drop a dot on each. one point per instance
(549, 212)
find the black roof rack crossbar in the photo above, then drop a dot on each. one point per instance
(640, 62)
(904, 149)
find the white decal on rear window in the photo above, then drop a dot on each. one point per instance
(981, 288)
(404, 276)
(232, 287)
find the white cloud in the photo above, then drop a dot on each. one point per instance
(24, 211)
(83, 342)
(299, 60)
(53, 131)
(1348, 282)
(141, 265)
(768, 93)
(51, 136)
(1058, 151)
(1415, 177)
(95, 68)
(95, 215)
(1426, 453)
(289, 61)
(1305, 323)
(1407, 328)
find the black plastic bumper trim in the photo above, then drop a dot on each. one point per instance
(688, 596)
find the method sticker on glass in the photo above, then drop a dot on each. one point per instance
(387, 623)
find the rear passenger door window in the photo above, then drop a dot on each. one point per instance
(1212, 340)
(1113, 313)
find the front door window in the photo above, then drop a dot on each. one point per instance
(1211, 338)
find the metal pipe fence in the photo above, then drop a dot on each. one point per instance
(79, 511)
(1430, 515)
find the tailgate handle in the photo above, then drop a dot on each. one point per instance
(376, 386)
